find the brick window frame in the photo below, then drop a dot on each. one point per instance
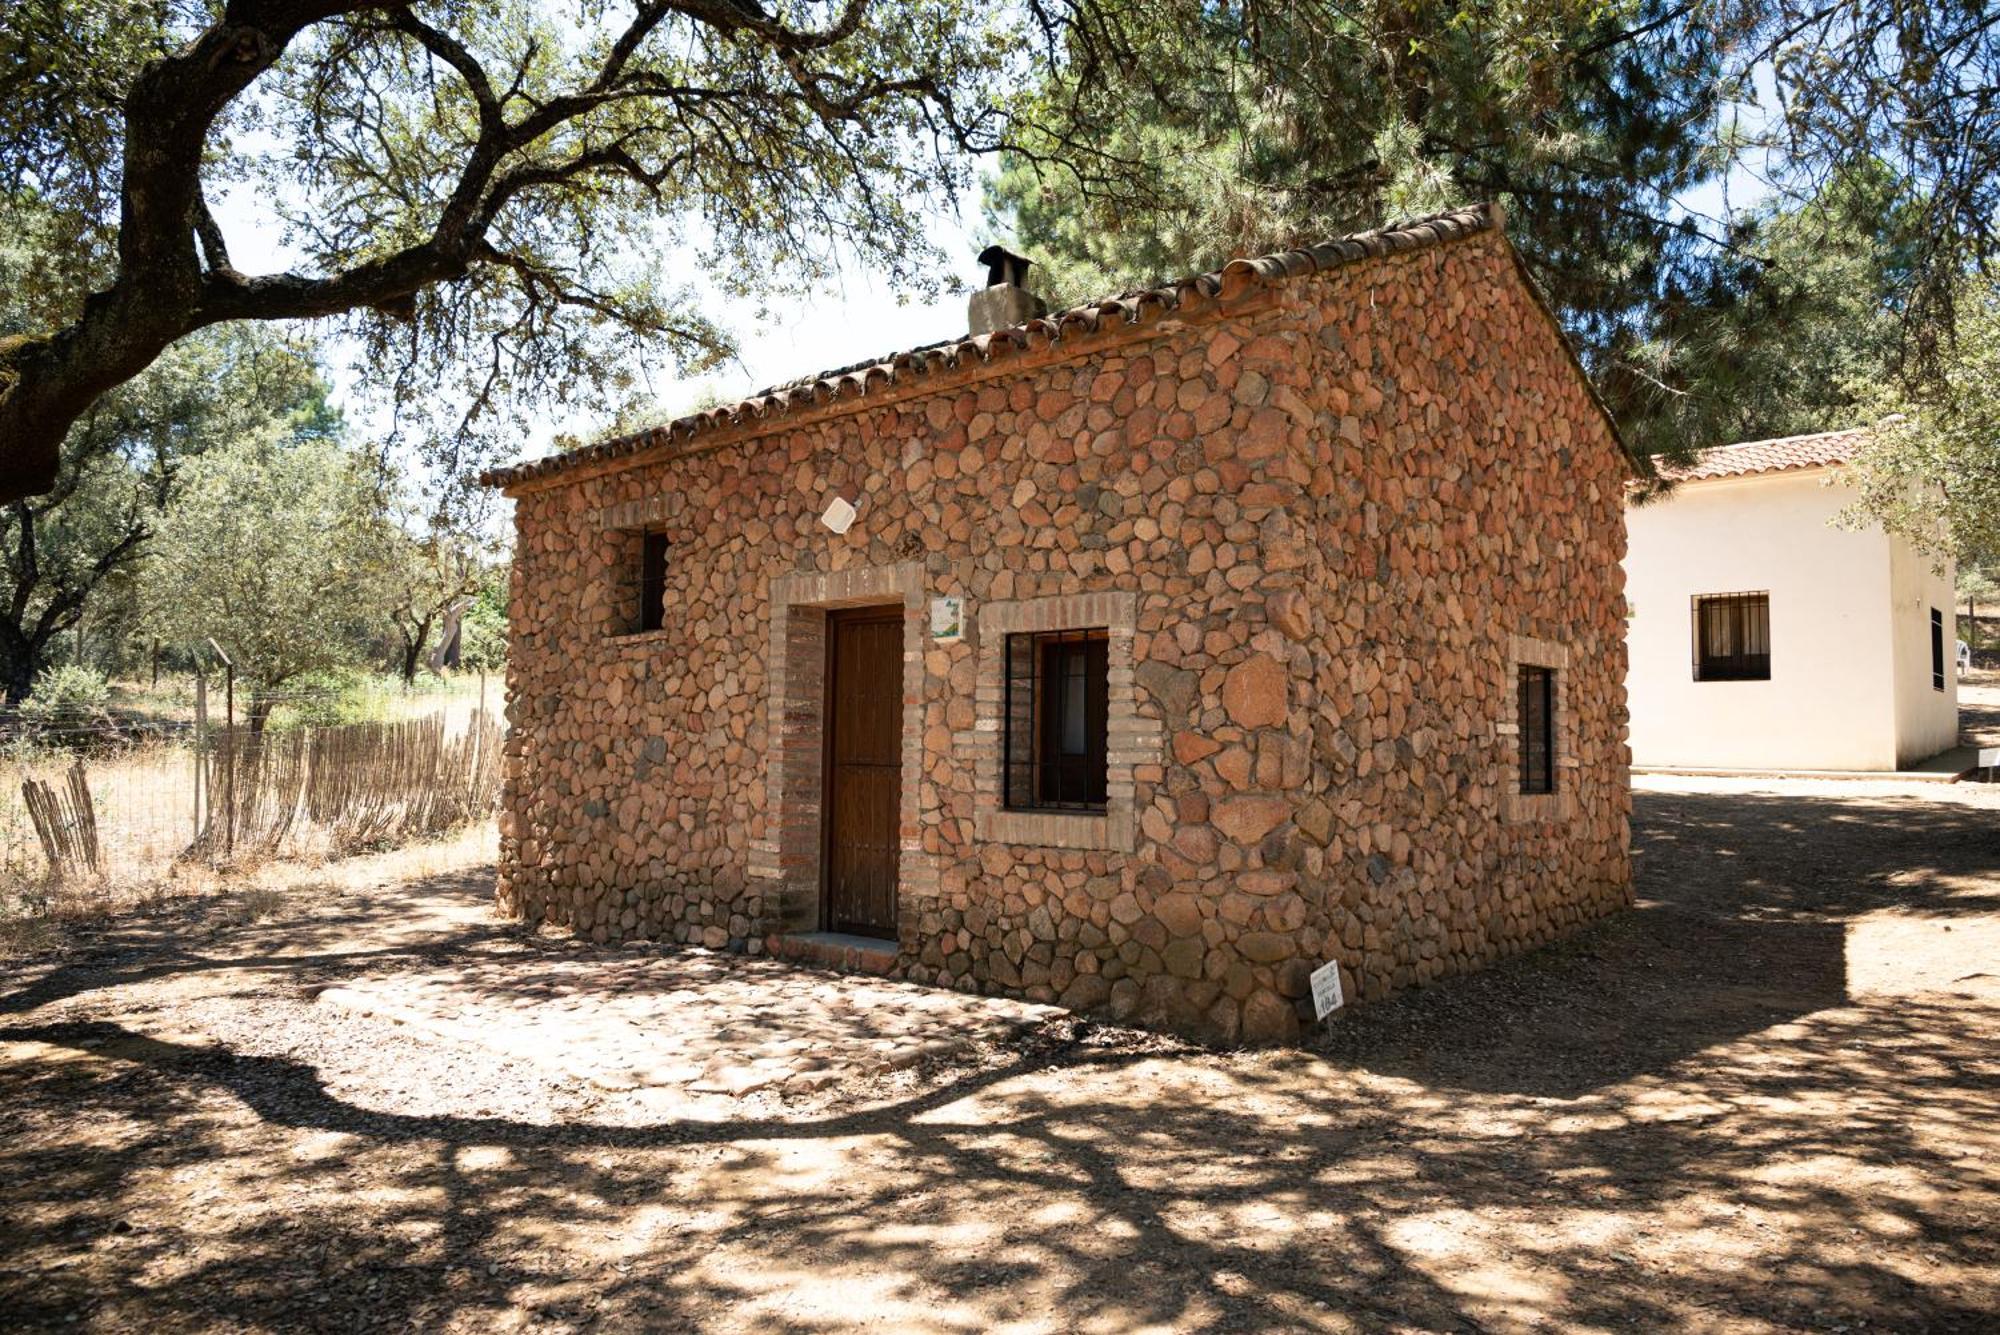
(1517, 807)
(625, 530)
(1133, 739)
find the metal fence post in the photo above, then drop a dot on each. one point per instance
(200, 742)
(229, 756)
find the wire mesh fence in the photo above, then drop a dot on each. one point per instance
(93, 797)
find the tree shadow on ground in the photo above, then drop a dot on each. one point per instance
(306, 948)
(1744, 908)
(1691, 1124)
(1250, 1196)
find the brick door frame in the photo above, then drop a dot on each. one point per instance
(789, 858)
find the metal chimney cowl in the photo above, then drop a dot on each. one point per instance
(1004, 301)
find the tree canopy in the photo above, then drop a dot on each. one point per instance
(463, 179)
(122, 461)
(274, 550)
(1932, 468)
(485, 194)
(1599, 125)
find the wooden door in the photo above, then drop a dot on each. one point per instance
(864, 769)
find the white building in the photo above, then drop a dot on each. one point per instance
(1764, 637)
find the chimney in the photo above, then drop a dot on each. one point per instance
(1003, 301)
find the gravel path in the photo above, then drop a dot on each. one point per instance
(1763, 1100)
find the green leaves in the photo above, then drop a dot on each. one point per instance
(272, 549)
(1932, 472)
(1601, 126)
(484, 192)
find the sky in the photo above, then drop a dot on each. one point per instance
(852, 315)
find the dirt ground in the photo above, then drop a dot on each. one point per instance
(1768, 1098)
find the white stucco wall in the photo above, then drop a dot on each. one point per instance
(1849, 628)
(1926, 718)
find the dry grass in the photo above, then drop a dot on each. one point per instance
(306, 803)
(41, 916)
(454, 851)
(145, 801)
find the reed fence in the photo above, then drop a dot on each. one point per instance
(83, 800)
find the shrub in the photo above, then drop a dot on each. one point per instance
(323, 699)
(69, 692)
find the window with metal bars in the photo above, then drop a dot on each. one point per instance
(1732, 637)
(1057, 720)
(1537, 724)
(652, 582)
(1937, 650)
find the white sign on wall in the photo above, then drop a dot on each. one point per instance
(1326, 989)
(947, 619)
(839, 516)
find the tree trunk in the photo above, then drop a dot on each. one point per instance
(47, 384)
(259, 713)
(413, 650)
(160, 291)
(19, 679)
(22, 658)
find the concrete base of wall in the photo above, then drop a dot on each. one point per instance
(1944, 767)
(835, 950)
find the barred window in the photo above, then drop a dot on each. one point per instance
(1057, 720)
(1732, 637)
(1537, 724)
(1937, 650)
(652, 582)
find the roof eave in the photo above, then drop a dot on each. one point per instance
(1079, 328)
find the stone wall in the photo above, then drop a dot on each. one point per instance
(1322, 521)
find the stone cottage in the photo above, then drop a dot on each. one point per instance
(1143, 657)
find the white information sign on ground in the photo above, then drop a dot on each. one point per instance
(1326, 989)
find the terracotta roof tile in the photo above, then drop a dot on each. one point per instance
(1063, 327)
(1783, 454)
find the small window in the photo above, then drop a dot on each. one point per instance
(652, 582)
(1058, 720)
(1732, 637)
(1937, 650)
(1537, 724)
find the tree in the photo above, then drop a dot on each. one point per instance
(1267, 128)
(121, 460)
(429, 576)
(1260, 128)
(1976, 585)
(274, 550)
(1931, 470)
(1790, 331)
(464, 179)
(1913, 83)
(483, 630)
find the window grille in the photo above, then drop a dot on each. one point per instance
(1732, 637)
(1537, 724)
(1937, 650)
(652, 582)
(1057, 720)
